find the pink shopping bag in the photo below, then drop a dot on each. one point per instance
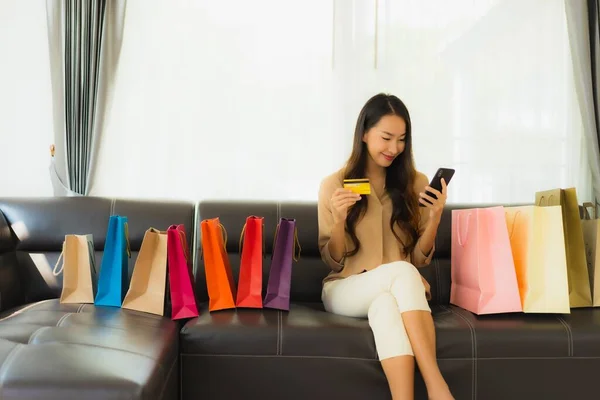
(484, 280)
(183, 299)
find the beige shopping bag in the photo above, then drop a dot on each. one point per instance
(78, 268)
(592, 246)
(538, 248)
(148, 282)
(579, 282)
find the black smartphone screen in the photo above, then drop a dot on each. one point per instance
(436, 181)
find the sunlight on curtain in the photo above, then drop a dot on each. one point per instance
(258, 100)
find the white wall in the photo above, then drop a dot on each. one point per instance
(25, 99)
(258, 100)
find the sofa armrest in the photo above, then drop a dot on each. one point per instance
(11, 293)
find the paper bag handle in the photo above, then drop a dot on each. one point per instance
(542, 198)
(224, 233)
(512, 229)
(184, 245)
(127, 239)
(586, 214)
(54, 271)
(297, 247)
(264, 247)
(460, 241)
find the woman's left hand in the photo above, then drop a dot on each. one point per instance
(436, 206)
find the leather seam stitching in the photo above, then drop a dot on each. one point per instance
(97, 346)
(281, 341)
(162, 392)
(8, 361)
(278, 325)
(62, 319)
(569, 335)
(278, 356)
(35, 333)
(27, 308)
(373, 359)
(473, 350)
(436, 266)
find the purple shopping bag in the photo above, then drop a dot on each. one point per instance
(280, 276)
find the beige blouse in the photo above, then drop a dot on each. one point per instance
(378, 243)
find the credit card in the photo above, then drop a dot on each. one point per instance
(359, 186)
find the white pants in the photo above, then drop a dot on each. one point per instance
(381, 294)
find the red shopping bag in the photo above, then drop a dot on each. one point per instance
(183, 299)
(249, 290)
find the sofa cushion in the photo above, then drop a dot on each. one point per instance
(307, 330)
(79, 351)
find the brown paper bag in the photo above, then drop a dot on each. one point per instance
(592, 250)
(78, 262)
(148, 283)
(579, 282)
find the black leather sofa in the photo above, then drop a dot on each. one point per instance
(54, 351)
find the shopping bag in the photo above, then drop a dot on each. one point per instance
(484, 280)
(183, 296)
(538, 248)
(579, 282)
(590, 227)
(280, 275)
(78, 268)
(147, 287)
(113, 278)
(249, 288)
(219, 277)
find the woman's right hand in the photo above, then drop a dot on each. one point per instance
(341, 201)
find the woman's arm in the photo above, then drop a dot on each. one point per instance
(431, 216)
(331, 234)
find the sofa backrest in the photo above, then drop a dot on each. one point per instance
(32, 231)
(308, 273)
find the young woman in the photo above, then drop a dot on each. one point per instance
(375, 243)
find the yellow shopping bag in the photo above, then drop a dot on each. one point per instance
(538, 248)
(577, 271)
(591, 228)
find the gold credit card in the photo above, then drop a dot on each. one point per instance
(359, 186)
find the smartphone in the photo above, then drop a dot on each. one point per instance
(436, 181)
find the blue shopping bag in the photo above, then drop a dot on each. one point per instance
(113, 280)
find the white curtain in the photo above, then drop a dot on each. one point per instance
(579, 31)
(25, 99)
(258, 100)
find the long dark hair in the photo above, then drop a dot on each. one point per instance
(400, 175)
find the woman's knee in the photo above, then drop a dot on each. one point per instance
(401, 271)
(408, 289)
(383, 308)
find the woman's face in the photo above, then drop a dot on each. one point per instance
(386, 140)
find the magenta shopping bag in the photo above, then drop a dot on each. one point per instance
(484, 280)
(280, 275)
(183, 299)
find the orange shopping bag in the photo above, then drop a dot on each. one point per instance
(219, 278)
